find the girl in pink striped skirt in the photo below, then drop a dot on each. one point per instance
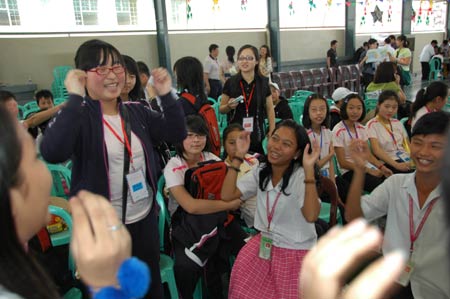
(268, 266)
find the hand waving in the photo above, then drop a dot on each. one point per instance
(310, 158)
(242, 144)
(75, 82)
(162, 82)
(360, 152)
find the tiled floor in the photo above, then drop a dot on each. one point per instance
(411, 91)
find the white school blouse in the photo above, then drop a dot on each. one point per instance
(431, 275)
(341, 138)
(288, 227)
(377, 130)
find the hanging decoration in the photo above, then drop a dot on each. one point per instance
(363, 18)
(377, 15)
(389, 12)
(413, 16)
(243, 5)
(419, 15)
(429, 12)
(329, 2)
(188, 10)
(311, 5)
(291, 8)
(215, 5)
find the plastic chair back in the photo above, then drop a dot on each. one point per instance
(435, 68)
(164, 217)
(297, 110)
(62, 178)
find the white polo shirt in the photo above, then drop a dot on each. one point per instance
(288, 227)
(427, 53)
(375, 129)
(421, 112)
(342, 138)
(212, 68)
(324, 140)
(431, 275)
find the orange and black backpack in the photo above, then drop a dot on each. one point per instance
(206, 111)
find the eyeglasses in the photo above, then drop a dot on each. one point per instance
(193, 136)
(104, 70)
(246, 58)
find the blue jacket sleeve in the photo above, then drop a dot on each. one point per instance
(62, 132)
(170, 124)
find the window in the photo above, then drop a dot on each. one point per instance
(374, 17)
(428, 16)
(312, 14)
(126, 12)
(216, 14)
(85, 12)
(9, 13)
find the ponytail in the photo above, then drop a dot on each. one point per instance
(426, 95)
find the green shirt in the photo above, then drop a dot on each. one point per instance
(403, 53)
(383, 86)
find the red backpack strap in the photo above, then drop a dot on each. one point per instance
(189, 97)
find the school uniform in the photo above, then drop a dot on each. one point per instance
(324, 140)
(395, 198)
(391, 138)
(292, 235)
(342, 138)
(421, 112)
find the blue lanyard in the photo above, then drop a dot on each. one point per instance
(321, 134)
(348, 131)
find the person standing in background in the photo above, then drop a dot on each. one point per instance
(212, 74)
(332, 54)
(425, 57)
(265, 61)
(229, 64)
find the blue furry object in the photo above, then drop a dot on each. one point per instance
(134, 280)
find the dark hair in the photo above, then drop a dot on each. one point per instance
(137, 92)
(385, 72)
(387, 95)
(189, 71)
(391, 37)
(344, 115)
(426, 95)
(230, 51)
(387, 40)
(265, 175)
(5, 96)
(212, 47)
(197, 125)
(432, 123)
(445, 42)
(143, 68)
(372, 41)
(43, 93)
(17, 267)
(434, 41)
(267, 50)
(333, 42)
(231, 128)
(365, 44)
(306, 119)
(94, 52)
(403, 39)
(255, 52)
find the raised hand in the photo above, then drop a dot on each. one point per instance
(100, 242)
(75, 82)
(162, 82)
(323, 275)
(310, 158)
(242, 144)
(360, 152)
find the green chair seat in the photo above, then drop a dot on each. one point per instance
(325, 213)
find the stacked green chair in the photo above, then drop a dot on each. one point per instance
(301, 95)
(29, 108)
(61, 180)
(435, 68)
(297, 110)
(59, 75)
(371, 104)
(58, 101)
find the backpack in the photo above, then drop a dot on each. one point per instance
(205, 181)
(207, 112)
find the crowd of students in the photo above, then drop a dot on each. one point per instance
(112, 125)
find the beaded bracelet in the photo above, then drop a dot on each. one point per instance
(134, 280)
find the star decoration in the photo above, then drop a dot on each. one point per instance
(377, 15)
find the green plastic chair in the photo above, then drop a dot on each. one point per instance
(166, 263)
(435, 68)
(325, 213)
(330, 102)
(29, 108)
(371, 104)
(297, 111)
(58, 101)
(61, 180)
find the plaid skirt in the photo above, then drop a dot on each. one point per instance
(256, 278)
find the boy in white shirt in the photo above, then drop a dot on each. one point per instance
(416, 221)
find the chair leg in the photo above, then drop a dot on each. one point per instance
(172, 286)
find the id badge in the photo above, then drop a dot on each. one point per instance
(265, 247)
(324, 172)
(370, 165)
(137, 185)
(405, 277)
(248, 124)
(403, 156)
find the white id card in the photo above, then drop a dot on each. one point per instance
(371, 166)
(265, 247)
(403, 156)
(248, 124)
(137, 185)
(405, 277)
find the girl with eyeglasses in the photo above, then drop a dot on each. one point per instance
(350, 128)
(287, 205)
(189, 265)
(316, 119)
(256, 104)
(111, 143)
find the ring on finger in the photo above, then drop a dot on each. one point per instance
(116, 227)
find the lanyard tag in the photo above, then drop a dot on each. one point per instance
(324, 172)
(248, 124)
(265, 247)
(137, 185)
(371, 166)
(405, 277)
(403, 156)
